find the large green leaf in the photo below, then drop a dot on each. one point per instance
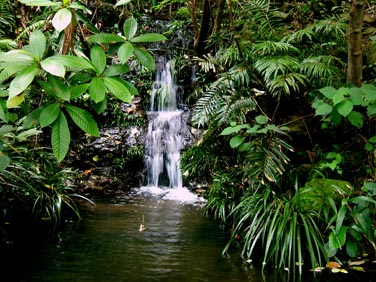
(145, 58)
(15, 101)
(60, 137)
(97, 89)
(11, 69)
(328, 91)
(37, 43)
(322, 108)
(22, 81)
(132, 89)
(345, 108)
(236, 141)
(39, 3)
(125, 52)
(22, 56)
(118, 89)
(4, 161)
(75, 62)
(83, 120)
(115, 70)
(130, 28)
(149, 37)
(356, 119)
(105, 38)
(62, 19)
(78, 90)
(49, 114)
(56, 88)
(53, 66)
(98, 58)
(4, 115)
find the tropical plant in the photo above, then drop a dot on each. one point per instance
(33, 67)
(284, 232)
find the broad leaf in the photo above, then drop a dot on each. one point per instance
(130, 28)
(4, 115)
(62, 19)
(145, 59)
(98, 58)
(118, 89)
(83, 120)
(132, 89)
(322, 108)
(356, 96)
(356, 119)
(125, 52)
(37, 43)
(115, 70)
(78, 6)
(262, 119)
(4, 161)
(60, 137)
(78, 90)
(49, 114)
(105, 38)
(11, 69)
(101, 106)
(56, 88)
(53, 66)
(75, 62)
(236, 141)
(122, 2)
(149, 37)
(328, 91)
(39, 3)
(22, 81)
(345, 108)
(233, 129)
(32, 119)
(22, 56)
(97, 89)
(338, 98)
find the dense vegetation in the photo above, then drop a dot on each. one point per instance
(285, 95)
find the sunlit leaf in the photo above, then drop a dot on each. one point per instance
(149, 37)
(97, 89)
(53, 66)
(62, 19)
(37, 43)
(122, 2)
(345, 107)
(236, 141)
(125, 52)
(22, 80)
(130, 28)
(118, 89)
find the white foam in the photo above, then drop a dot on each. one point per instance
(181, 194)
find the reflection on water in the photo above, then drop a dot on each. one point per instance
(179, 244)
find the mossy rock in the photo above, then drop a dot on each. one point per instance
(316, 193)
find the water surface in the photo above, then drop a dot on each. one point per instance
(179, 244)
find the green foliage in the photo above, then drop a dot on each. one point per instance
(284, 232)
(346, 102)
(67, 78)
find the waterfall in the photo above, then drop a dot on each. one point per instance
(164, 139)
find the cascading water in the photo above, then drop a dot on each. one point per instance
(164, 136)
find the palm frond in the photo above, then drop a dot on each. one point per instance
(271, 48)
(288, 83)
(320, 68)
(299, 36)
(238, 75)
(208, 63)
(271, 67)
(236, 110)
(337, 30)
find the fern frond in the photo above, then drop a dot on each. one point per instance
(299, 36)
(238, 75)
(237, 110)
(273, 66)
(30, 28)
(208, 63)
(331, 28)
(228, 56)
(287, 84)
(320, 68)
(206, 106)
(270, 48)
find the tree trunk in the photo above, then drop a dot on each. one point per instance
(219, 17)
(200, 43)
(354, 59)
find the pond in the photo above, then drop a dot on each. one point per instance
(179, 243)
